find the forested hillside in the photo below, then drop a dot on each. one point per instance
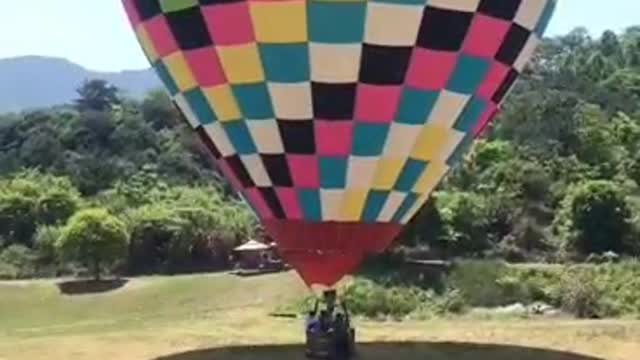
(555, 179)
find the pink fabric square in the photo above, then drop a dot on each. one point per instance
(493, 80)
(205, 66)
(161, 36)
(289, 200)
(229, 24)
(485, 119)
(132, 12)
(304, 171)
(485, 36)
(333, 137)
(229, 174)
(259, 204)
(377, 103)
(431, 69)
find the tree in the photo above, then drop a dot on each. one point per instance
(97, 95)
(95, 238)
(595, 218)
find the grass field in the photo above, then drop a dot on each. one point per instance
(210, 317)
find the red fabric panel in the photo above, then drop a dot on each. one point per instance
(324, 252)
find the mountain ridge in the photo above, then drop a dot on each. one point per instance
(32, 82)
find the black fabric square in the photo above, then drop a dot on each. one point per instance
(271, 198)
(513, 44)
(147, 8)
(206, 140)
(278, 169)
(500, 8)
(507, 83)
(333, 101)
(384, 65)
(443, 29)
(239, 170)
(297, 136)
(189, 28)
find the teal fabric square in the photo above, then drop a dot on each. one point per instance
(336, 22)
(416, 105)
(166, 77)
(333, 172)
(240, 137)
(254, 101)
(369, 138)
(310, 202)
(374, 204)
(404, 208)
(470, 115)
(285, 63)
(200, 106)
(469, 73)
(410, 174)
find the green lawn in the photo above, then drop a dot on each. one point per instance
(224, 317)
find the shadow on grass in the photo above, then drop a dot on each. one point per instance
(380, 351)
(83, 287)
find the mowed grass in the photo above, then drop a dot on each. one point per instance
(219, 316)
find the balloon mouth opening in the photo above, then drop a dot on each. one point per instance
(323, 253)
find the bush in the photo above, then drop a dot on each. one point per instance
(579, 295)
(94, 238)
(45, 243)
(595, 218)
(18, 262)
(479, 282)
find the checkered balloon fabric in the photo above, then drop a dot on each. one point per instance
(338, 110)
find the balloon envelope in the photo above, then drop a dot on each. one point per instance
(336, 119)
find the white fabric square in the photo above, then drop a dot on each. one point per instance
(448, 108)
(527, 52)
(335, 63)
(458, 5)
(291, 101)
(392, 24)
(529, 13)
(449, 146)
(391, 206)
(266, 136)
(360, 171)
(220, 139)
(331, 201)
(256, 170)
(183, 104)
(401, 139)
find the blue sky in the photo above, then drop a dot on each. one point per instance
(96, 34)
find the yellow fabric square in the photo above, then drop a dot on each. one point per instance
(180, 71)
(241, 63)
(223, 102)
(430, 142)
(352, 204)
(430, 178)
(279, 21)
(146, 43)
(387, 173)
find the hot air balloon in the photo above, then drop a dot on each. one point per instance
(335, 120)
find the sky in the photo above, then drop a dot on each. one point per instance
(96, 33)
